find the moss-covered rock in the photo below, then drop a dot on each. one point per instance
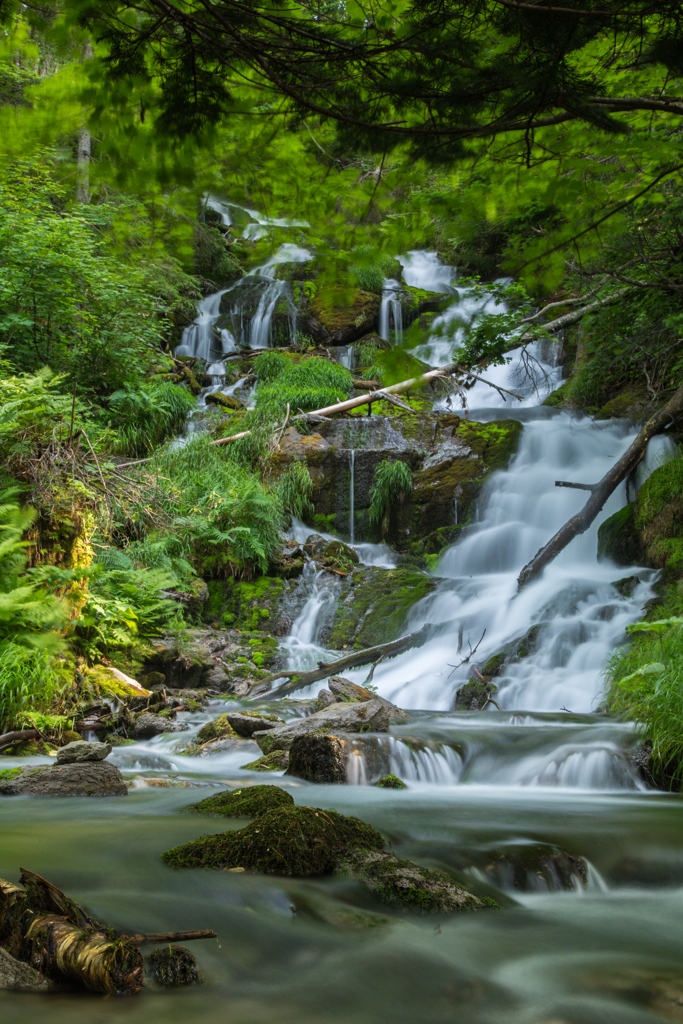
(217, 728)
(239, 604)
(375, 609)
(276, 761)
(390, 782)
(299, 841)
(318, 758)
(658, 517)
(475, 695)
(345, 314)
(406, 885)
(243, 803)
(618, 538)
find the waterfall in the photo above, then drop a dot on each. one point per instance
(352, 496)
(390, 309)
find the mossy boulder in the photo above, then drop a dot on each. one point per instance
(216, 729)
(276, 761)
(390, 782)
(376, 607)
(318, 758)
(296, 841)
(618, 538)
(406, 885)
(475, 695)
(345, 313)
(243, 803)
(339, 557)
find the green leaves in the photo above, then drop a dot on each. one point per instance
(661, 626)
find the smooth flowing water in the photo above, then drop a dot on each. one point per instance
(484, 789)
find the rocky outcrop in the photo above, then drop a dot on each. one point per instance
(370, 716)
(618, 539)
(343, 314)
(86, 778)
(148, 724)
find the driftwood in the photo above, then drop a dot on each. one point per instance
(11, 739)
(41, 925)
(601, 491)
(141, 939)
(298, 679)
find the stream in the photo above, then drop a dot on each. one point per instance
(486, 787)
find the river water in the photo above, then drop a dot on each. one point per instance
(483, 788)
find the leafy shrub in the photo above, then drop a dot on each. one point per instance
(311, 384)
(147, 414)
(391, 482)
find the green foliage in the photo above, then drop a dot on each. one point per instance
(391, 482)
(212, 260)
(29, 678)
(269, 365)
(147, 413)
(370, 268)
(294, 489)
(645, 679)
(311, 384)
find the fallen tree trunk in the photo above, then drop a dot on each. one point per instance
(39, 924)
(602, 490)
(11, 739)
(152, 938)
(370, 654)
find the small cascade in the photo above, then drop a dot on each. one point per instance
(352, 496)
(390, 311)
(200, 339)
(301, 647)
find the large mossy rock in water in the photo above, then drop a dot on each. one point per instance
(618, 538)
(299, 841)
(375, 607)
(318, 758)
(244, 803)
(344, 314)
(87, 778)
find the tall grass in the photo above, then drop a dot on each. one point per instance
(147, 414)
(391, 483)
(311, 384)
(29, 680)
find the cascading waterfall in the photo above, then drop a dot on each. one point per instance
(390, 310)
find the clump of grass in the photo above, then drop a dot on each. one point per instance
(391, 482)
(645, 680)
(147, 414)
(370, 268)
(311, 384)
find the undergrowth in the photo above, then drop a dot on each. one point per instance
(311, 384)
(391, 482)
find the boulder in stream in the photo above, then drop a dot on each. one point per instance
(324, 699)
(17, 976)
(390, 782)
(85, 778)
(345, 690)
(370, 716)
(174, 967)
(246, 723)
(317, 758)
(148, 724)
(80, 750)
(243, 803)
(276, 761)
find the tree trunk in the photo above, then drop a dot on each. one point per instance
(84, 149)
(371, 654)
(601, 492)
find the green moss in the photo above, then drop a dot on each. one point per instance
(556, 399)
(10, 773)
(495, 443)
(299, 841)
(216, 729)
(494, 665)
(243, 605)
(243, 803)
(618, 538)
(404, 884)
(390, 782)
(119, 741)
(276, 761)
(658, 516)
(376, 608)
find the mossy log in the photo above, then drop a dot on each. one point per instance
(42, 926)
(601, 491)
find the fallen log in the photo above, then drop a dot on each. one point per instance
(299, 679)
(40, 925)
(601, 491)
(11, 739)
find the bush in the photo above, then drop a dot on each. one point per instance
(146, 415)
(391, 482)
(311, 384)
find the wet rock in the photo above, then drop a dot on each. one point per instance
(87, 778)
(174, 967)
(16, 976)
(533, 868)
(298, 841)
(324, 699)
(243, 803)
(289, 563)
(314, 546)
(627, 585)
(618, 539)
(339, 557)
(374, 608)
(217, 728)
(345, 690)
(343, 316)
(475, 694)
(186, 668)
(390, 782)
(79, 750)
(370, 716)
(404, 884)
(148, 724)
(276, 761)
(317, 759)
(246, 723)
(224, 401)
